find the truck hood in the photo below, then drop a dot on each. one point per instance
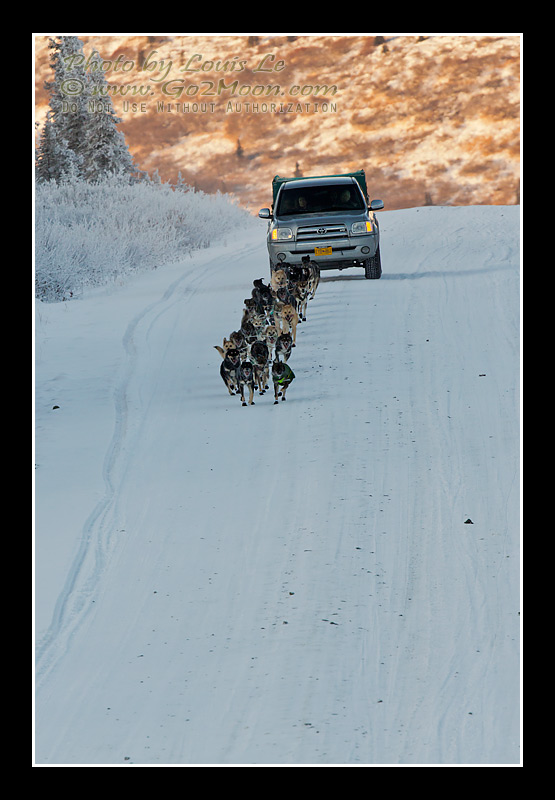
(321, 220)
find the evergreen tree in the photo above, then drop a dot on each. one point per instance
(68, 98)
(104, 150)
(61, 134)
(53, 156)
(77, 140)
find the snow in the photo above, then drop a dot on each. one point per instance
(294, 584)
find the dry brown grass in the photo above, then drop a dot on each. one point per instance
(438, 117)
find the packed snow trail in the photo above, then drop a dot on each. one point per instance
(289, 584)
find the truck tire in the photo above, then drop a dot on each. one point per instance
(373, 266)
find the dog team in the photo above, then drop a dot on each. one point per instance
(268, 332)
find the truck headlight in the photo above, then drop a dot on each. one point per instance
(361, 227)
(281, 234)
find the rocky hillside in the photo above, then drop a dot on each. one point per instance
(432, 120)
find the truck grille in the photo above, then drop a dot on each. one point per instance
(317, 232)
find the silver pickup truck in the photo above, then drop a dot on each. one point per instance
(328, 218)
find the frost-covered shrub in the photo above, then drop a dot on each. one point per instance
(88, 234)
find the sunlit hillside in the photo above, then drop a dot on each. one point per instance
(432, 120)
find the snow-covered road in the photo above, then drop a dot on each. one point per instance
(292, 584)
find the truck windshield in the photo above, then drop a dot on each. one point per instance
(317, 199)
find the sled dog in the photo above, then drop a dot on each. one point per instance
(253, 313)
(227, 345)
(250, 332)
(239, 341)
(245, 377)
(229, 370)
(271, 334)
(301, 292)
(261, 294)
(313, 275)
(282, 375)
(278, 279)
(263, 298)
(284, 296)
(260, 357)
(283, 347)
(289, 320)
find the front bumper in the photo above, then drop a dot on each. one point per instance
(347, 252)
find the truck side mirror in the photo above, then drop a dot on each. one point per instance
(376, 205)
(264, 213)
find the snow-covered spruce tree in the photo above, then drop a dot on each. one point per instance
(76, 139)
(66, 118)
(104, 150)
(54, 160)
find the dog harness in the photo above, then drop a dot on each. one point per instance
(287, 376)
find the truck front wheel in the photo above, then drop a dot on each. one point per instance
(373, 266)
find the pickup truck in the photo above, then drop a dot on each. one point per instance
(329, 218)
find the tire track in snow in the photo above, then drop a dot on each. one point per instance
(97, 540)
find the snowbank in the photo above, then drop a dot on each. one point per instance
(90, 234)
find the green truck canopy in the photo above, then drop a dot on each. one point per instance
(359, 175)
